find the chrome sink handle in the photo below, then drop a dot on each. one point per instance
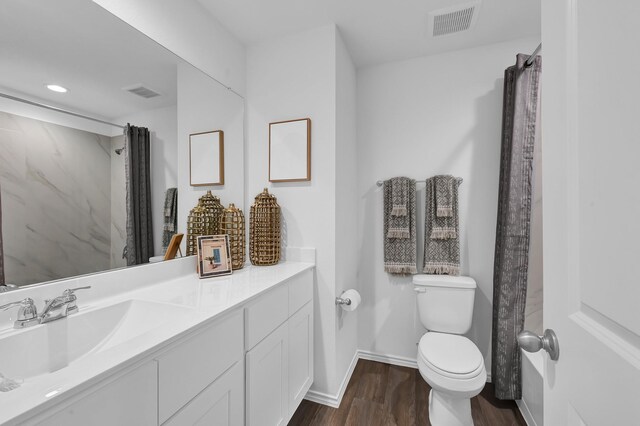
(70, 298)
(27, 315)
(70, 291)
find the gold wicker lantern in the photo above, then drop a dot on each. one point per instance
(232, 224)
(264, 233)
(195, 227)
(203, 219)
(214, 209)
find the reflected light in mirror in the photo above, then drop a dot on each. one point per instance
(56, 88)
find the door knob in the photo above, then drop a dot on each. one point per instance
(531, 342)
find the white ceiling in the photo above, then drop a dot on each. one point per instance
(377, 31)
(79, 45)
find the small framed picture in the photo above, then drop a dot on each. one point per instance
(290, 150)
(214, 258)
(206, 158)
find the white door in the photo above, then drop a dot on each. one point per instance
(591, 185)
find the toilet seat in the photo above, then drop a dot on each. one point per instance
(450, 355)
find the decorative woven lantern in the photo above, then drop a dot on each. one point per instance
(232, 224)
(264, 234)
(195, 227)
(214, 209)
(203, 219)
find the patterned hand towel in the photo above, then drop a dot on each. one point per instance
(444, 195)
(400, 226)
(170, 216)
(441, 238)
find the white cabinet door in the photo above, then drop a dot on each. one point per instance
(267, 380)
(220, 404)
(300, 355)
(129, 400)
(193, 364)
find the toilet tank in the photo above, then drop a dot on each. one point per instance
(445, 302)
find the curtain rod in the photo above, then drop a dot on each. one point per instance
(64, 111)
(532, 57)
(381, 182)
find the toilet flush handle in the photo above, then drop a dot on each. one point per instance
(531, 342)
(420, 289)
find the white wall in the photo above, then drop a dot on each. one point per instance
(163, 125)
(346, 250)
(204, 105)
(289, 78)
(188, 30)
(421, 117)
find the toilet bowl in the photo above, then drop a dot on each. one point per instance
(449, 362)
(454, 368)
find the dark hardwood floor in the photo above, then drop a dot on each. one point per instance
(383, 394)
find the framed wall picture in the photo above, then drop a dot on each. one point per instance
(290, 150)
(214, 258)
(206, 158)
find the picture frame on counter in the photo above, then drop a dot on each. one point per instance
(213, 256)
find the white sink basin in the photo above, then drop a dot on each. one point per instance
(52, 346)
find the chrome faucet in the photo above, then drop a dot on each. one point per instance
(59, 307)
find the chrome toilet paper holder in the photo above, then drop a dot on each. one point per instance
(341, 301)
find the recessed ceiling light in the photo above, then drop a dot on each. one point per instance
(56, 88)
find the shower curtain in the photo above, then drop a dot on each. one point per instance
(138, 175)
(519, 126)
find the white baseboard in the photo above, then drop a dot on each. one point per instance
(526, 413)
(334, 400)
(388, 359)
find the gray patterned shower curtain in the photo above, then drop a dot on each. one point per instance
(138, 172)
(519, 127)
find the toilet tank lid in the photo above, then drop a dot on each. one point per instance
(444, 281)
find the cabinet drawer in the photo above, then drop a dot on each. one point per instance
(193, 364)
(300, 290)
(130, 400)
(222, 403)
(265, 315)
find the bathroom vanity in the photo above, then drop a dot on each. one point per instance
(166, 349)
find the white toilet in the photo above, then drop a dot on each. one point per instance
(450, 363)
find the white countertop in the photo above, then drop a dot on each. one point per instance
(207, 298)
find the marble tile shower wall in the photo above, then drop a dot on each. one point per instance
(56, 200)
(118, 204)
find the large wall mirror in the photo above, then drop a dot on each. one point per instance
(63, 178)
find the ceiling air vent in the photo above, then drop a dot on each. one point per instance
(453, 19)
(140, 90)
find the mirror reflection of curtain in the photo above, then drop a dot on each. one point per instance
(520, 123)
(138, 176)
(1, 252)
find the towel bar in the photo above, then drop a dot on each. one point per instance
(381, 182)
